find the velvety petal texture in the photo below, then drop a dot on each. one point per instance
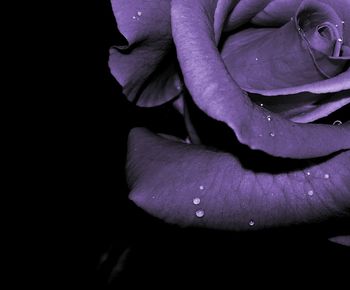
(190, 185)
(277, 13)
(216, 93)
(304, 50)
(144, 63)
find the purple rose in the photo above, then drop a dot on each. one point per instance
(266, 74)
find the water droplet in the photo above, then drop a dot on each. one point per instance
(292, 18)
(200, 213)
(139, 13)
(251, 223)
(261, 105)
(201, 187)
(153, 196)
(299, 29)
(337, 122)
(336, 25)
(269, 118)
(272, 134)
(260, 135)
(308, 173)
(256, 58)
(326, 176)
(134, 17)
(340, 39)
(342, 22)
(196, 200)
(310, 192)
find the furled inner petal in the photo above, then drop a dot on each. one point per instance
(304, 50)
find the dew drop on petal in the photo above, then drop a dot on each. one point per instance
(196, 200)
(326, 176)
(310, 192)
(139, 13)
(272, 134)
(153, 196)
(256, 58)
(134, 17)
(251, 223)
(343, 22)
(308, 173)
(337, 122)
(340, 39)
(200, 213)
(201, 187)
(261, 105)
(269, 118)
(336, 25)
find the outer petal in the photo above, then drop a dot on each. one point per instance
(217, 94)
(145, 66)
(192, 186)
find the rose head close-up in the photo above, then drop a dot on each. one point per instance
(261, 89)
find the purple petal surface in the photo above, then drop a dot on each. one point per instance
(218, 95)
(190, 185)
(304, 107)
(304, 50)
(145, 66)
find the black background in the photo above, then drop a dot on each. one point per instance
(141, 249)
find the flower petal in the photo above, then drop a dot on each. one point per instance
(218, 95)
(190, 185)
(278, 12)
(296, 54)
(144, 64)
(244, 11)
(304, 107)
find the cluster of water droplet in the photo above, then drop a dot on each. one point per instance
(137, 16)
(196, 201)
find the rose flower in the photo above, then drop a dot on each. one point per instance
(265, 74)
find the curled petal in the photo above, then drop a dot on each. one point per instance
(304, 107)
(276, 13)
(190, 185)
(144, 63)
(304, 50)
(218, 95)
(244, 11)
